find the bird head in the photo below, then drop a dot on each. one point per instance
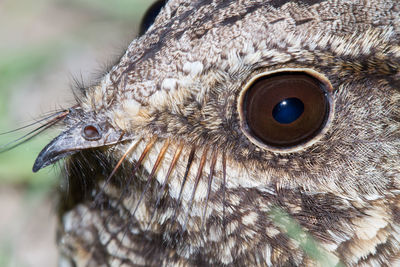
(236, 107)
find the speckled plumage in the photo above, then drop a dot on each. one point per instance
(175, 92)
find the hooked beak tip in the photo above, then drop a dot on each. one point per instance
(53, 152)
(45, 158)
(39, 164)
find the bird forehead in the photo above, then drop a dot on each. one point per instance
(190, 39)
(194, 46)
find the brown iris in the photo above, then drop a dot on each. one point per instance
(285, 109)
(91, 132)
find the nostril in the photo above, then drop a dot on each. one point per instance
(91, 132)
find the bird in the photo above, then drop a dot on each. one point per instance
(238, 133)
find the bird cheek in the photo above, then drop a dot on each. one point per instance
(129, 115)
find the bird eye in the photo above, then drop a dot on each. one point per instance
(151, 15)
(285, 109)
(91, 132)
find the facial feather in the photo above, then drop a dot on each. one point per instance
(195, 190)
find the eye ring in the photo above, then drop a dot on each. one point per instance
(91, 132)
(246, 121)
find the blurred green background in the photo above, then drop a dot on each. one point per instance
(44, 46)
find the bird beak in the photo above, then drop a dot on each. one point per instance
(72, 141)
(60, 147)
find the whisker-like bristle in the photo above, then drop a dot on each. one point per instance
(107, 181)
(160, 193)
(146, 187)
(130, 148)
(113, 148)
(63, 113)
(136, 168)
(210, 179)
(33, 133)
(125, 189)
(197, 179)
(223, 188)
(144, 154)
(188, 165)
(151, 175)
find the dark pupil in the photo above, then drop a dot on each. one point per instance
(288, 110)
(91, 132)
(285, 109)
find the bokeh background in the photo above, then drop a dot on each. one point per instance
(45, 45)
